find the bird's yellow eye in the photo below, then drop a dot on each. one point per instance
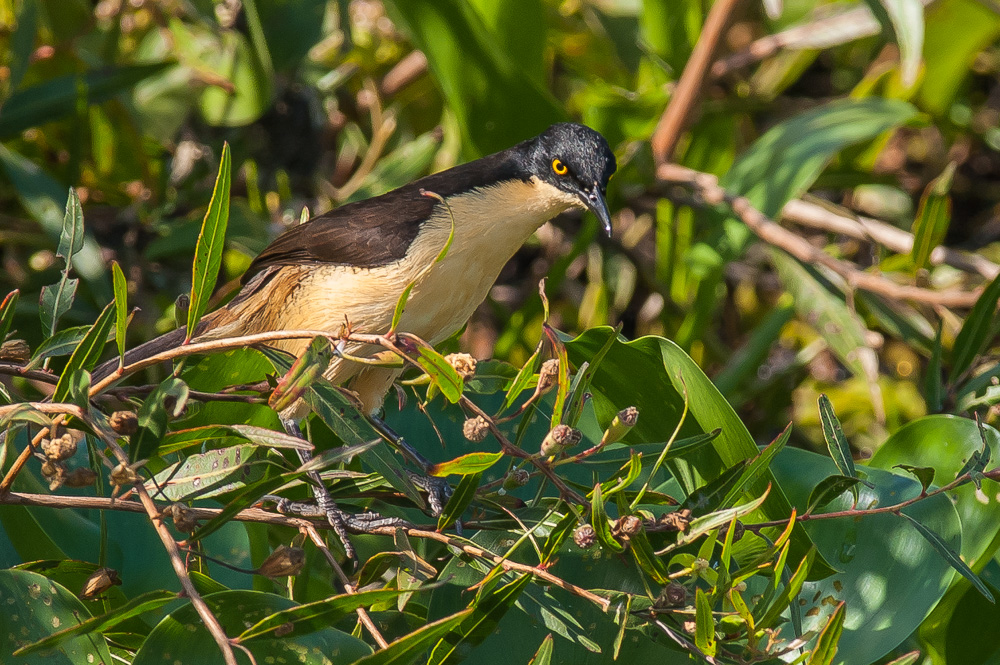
(559, 167)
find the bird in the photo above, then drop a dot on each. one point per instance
(349, 266)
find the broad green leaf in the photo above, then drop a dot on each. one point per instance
(147, 602)
(181, 439)
(933, 218)
(56, 299)
(600, 521)
(788, 592)
(518, 26)
(460, 499)
(183, 635)
(36, 607)
(760, 464)
(211, 243)
(924, 474)
(56, 97)
(468, 464)
(87, 352)
(121, 309)
(976, 332)
(204, 475)
(949, 555)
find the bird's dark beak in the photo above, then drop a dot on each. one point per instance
(594, 200)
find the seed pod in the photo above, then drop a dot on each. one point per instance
(184, 519)
(15, 351)
(475, 429)
(627, 526)
(674, 594)
(283, 562)
(100, 581)
(584, 536)
(55, 473)
(80, 477)
(559, 439)
(124, 422)
(462, 363)
(548, 376)
(620, 426)
(516, 478)
(59, 449)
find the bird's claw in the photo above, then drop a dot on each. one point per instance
(438, 491)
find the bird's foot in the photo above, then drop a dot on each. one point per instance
(438, 491)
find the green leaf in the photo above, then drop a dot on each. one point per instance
(56, 299)
(460, 499)
(704, 631)
(760, 464)
(826, 644)
(496, 102)
(71, 238)
(906, 18)
(521, 381)
(153, 416)
(544, 654)
(599, 520)
(7, 308)
(933, 390)
(211, 243)
(411, 646)
(950, 556)
(468, 464)
(87, 352)
(303, 373)
(208, 474)
(21, 45)
(487, 610)
(933, 218)
(790, 590)
(147, 602)
(829, 489)
(442, 373)
(562, 385)
(836, 442)
(706, 523)
(924, 474)
(57, 97)
(976, 331)
(121, 309)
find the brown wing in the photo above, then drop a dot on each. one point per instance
(365, 234)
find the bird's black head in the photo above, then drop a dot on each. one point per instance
(577, 160)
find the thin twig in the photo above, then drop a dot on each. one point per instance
(675, 117)
(363, 616)
(708, 187)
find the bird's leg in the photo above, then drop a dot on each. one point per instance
(339, 521)
(438, 490)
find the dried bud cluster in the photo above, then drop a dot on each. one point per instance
(15, 351)
(62, 448)
(475, 429)
(626, 527)
(675, 521)
(620, 426)
(462, 363)
(124, 422)
(56, 451)
(559, 439)
(283, 562)
(183, 518)
(584, 536)
(100, 581)
(123, 475)
(548, 375)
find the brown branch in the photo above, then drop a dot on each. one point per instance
(816, 216)
(708, 187)
(363, 616)
(266, 517)
(10, 369)
(668, 129)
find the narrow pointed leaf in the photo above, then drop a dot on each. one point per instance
(829, 489)
(933, 218)
(55, 300)
(211, 243)
(826, 644)
(442, 373)
(121, 309)
(460, 499)
(925, 474)
(976, 330)
(410, 647)
(468, 464)
(71, 238)
(950, 556)
(840, 450)
(7, 312)
(544, 654)
(704, 631)
(304, 371)
(87, 352)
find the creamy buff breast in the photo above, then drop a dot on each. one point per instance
(491, 223)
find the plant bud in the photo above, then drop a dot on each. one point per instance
(100, 581)
(559, 439)
(462, 363)
(548, 375)
(59, 449)
(475, 429)
(80, 477)
(124, 422)
(123, 475)
(738, 531)
(283, 562)
(55, 473)
(620, 426)
(627, 526)
(516, 478)
(15, 351)
(584, 536)
(674, 594)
